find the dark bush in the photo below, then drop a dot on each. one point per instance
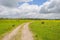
(13, 25)
(36, 35)
(42, 22)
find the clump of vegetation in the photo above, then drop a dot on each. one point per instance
(13, 25)
(42, 22)
(36, 35)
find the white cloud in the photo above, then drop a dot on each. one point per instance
(51, 7)
(12, 3)
(49, 10)
(25, 0)
(29, 8)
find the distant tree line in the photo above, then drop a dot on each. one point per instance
(28, 19)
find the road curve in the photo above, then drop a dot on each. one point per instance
(25, 33)
(12, 34)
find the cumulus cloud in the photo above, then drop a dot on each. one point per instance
(51, 7)
(29, 8)
(49, 10)
(12, 3)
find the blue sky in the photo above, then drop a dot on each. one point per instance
(35, 2)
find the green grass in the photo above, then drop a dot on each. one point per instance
(6, 25)
(50, 30)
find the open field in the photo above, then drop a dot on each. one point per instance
(41, 29)
(8, 25)
(46, 29)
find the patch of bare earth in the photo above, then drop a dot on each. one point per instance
(26, 33)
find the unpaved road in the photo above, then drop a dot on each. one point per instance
(25, 33)
(12, 34)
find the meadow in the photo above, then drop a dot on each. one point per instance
(46, 29)
(41, 29)
(8, 25)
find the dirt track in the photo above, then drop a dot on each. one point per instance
(25, 33)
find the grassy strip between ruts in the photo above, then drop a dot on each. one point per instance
(46, 29)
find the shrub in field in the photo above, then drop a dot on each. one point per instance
(13, 25)
(42, 22)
